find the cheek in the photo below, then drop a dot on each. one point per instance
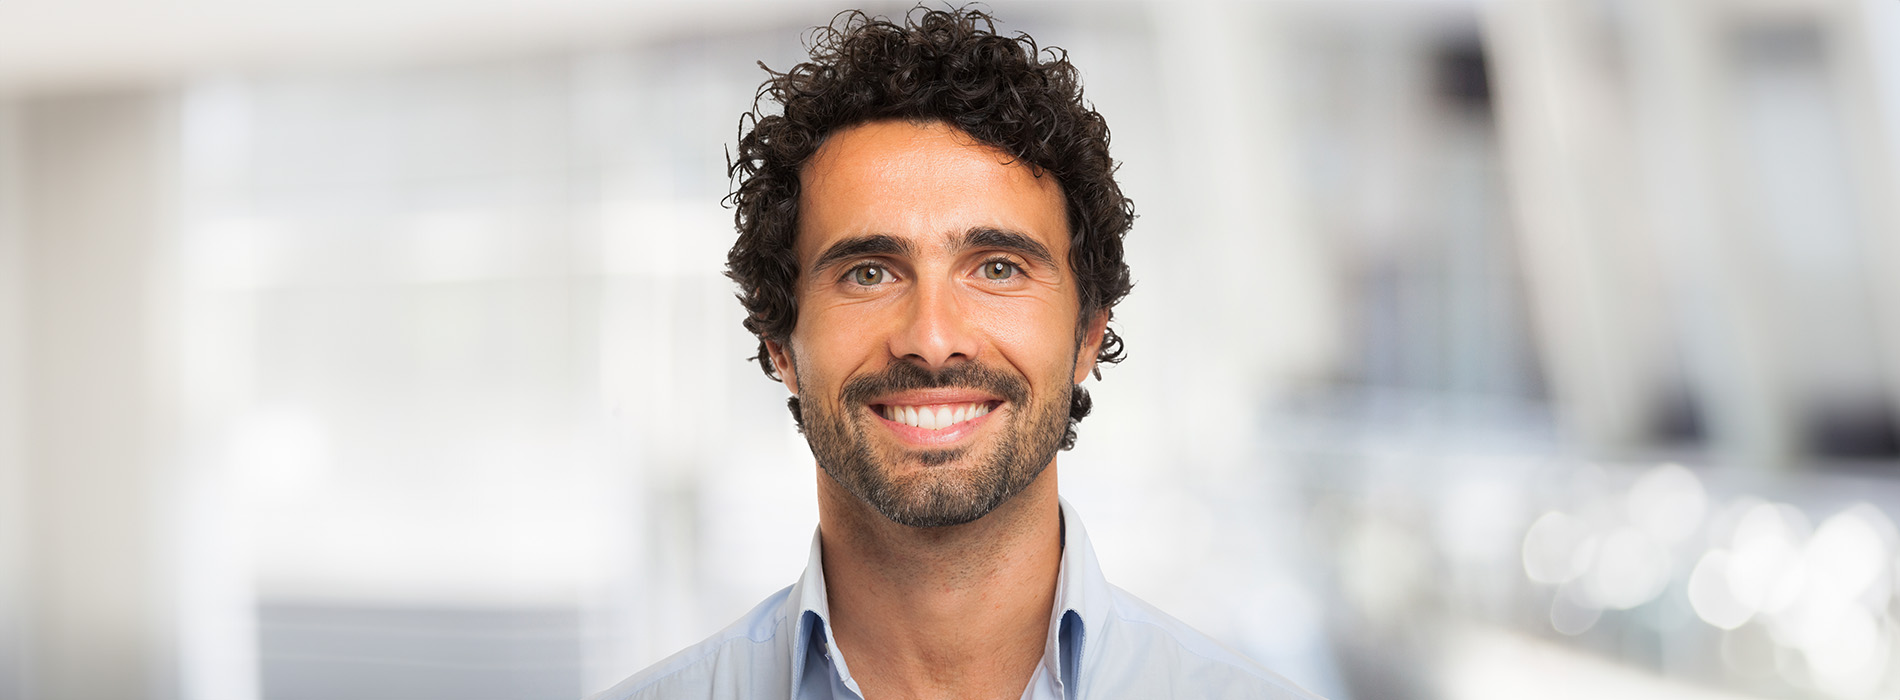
(828, 342)
(1035, 336)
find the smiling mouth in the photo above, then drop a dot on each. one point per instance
(935, 416)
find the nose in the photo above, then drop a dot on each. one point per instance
(936, 331)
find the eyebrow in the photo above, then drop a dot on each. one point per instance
(862, 246)
(979, 237)
(1012, 241)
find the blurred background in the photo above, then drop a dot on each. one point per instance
(1478, 350)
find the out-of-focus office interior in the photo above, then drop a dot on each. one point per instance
(1478, 350)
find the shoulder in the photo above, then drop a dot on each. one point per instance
(749, 658)
(1144, 652)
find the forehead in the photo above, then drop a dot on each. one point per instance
(925, 181)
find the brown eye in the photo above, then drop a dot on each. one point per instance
(999, 270)
(869, 275)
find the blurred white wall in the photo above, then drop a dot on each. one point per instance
(13, 495)
(93, 211)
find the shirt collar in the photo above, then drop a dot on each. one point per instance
(812, 608)
(1082, 600)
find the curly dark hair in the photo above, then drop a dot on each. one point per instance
(937, 66)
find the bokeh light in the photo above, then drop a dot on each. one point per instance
(1558, 548)
(1764, 573)
(1630, 569)
(1710, 595)
(1809, 605)
(1668, 502)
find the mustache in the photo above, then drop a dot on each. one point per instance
(908, 376)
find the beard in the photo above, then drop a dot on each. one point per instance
(936, 495)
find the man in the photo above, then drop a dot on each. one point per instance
(930, 246)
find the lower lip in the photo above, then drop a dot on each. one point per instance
(935, 438)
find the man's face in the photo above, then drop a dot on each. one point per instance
(936, 345)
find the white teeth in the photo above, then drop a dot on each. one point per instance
(935, 417)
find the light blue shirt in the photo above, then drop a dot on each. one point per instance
(1102, 643)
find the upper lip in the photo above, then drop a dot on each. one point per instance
(932, 397)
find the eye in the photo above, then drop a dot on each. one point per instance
(869, 275)
(1000, 270)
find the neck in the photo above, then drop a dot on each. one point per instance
(959, 611)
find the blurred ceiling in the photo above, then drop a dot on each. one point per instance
(80, 45)
(83, 45)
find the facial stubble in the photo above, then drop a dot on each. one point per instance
(938, 492)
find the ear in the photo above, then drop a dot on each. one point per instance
(1091, 345)
(782, 362)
